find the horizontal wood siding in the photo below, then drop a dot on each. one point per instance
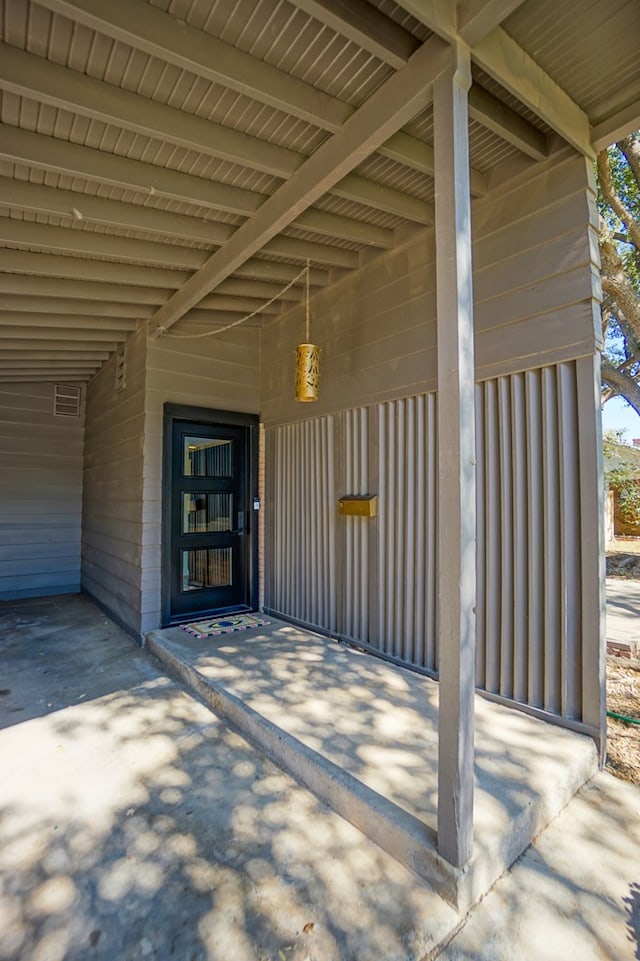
(40, 494)
(220, 373)
(534, 259)
(113, 509)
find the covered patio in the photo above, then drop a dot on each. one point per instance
(362, 735)
(171, 174)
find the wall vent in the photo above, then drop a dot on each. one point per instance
(66, 401)
(121, 369)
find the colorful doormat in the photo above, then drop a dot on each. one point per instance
(224, 625)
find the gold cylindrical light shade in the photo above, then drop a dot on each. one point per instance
(307, 372)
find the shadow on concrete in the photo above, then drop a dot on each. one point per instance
(573, 894)
(57, 651)
(379, 723)
(632, 903)
(136, 825)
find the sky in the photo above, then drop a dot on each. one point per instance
(617, 415)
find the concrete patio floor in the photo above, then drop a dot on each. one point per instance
(135, 824)
(363, 735)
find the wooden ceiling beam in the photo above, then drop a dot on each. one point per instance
(52, 289)
(622, 117)
(477, 18)
(154, 31)
(27, 262)
(25, 74)
(49, 373)
(344, 228)
(208, 319)
(38, 198)
(383, 114)
(58, 295)
(66, 240)
(257, 269)
(253, 288)
(491, 113)
(73, 160)
(72, 268)
(419, 156)
(123, 316)
(150, 29)
(505, 60)
(28, 75)
(239, 305)
(71, 346)
(385, 198)
(26, 377)
(56, 349)
(382, 37)
(366, 26)
(15, 325)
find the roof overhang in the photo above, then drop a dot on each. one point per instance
(162, 171)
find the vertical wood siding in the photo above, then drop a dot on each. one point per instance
(301, 487)
(529, 539)
(375, 581)
(355, 530)
(407, 530)
(40, 494)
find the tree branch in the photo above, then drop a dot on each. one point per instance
(612, 198)
(616, 283)
(630, 147)
(621, 384)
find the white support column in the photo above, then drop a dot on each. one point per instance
(456, 461)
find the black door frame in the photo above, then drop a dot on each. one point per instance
(207, 417)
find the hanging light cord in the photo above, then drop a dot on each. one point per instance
(236, 323)
(308, 312)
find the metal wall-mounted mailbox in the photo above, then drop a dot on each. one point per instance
(359, 505)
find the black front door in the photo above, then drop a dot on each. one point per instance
(209, 516)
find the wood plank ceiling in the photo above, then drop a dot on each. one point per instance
(174, 163)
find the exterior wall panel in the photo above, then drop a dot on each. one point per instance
(406, 554)
(356, 530)
(534, 302)
(374, 581)
(112, 509)
(529, 539)
(40, 494)
(301, 546)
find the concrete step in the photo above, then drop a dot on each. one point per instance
(296, 696)
(400, 834)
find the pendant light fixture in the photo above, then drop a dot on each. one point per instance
(307, 360)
